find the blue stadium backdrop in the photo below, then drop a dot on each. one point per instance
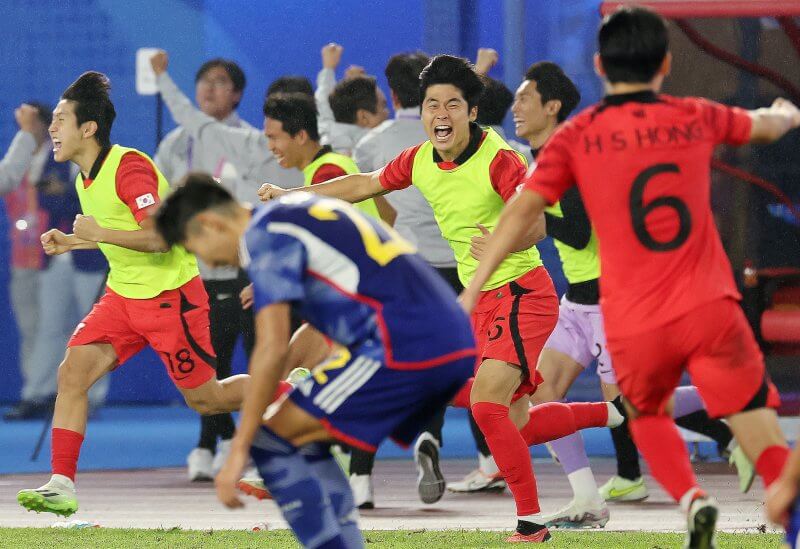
(48, 43)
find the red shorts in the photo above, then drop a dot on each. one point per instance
(512, 323)
(174, 323)
(714, 343)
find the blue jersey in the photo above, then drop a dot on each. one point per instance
(355, 280)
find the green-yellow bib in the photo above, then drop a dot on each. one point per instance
(132, 274)
(464, 196)
(578, 265)
(346, 163)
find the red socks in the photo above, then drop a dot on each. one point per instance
(510, 453)
(66, 447)
(770, 463)
(665, 452)
(554, 420)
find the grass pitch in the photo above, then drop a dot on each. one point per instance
(19, 538)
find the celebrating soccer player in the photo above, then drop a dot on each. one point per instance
(154, 296)
(669, 298)
(466, 174)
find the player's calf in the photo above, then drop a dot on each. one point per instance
(299, 491)
(761, 439)
(215, 396)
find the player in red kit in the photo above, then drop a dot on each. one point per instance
(669, 300)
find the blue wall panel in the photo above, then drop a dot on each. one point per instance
(48, 43)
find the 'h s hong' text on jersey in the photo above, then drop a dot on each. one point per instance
(354, 279)
(642, 164)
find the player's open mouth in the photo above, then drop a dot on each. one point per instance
(442, 132)
(518, 122)
(56, 145)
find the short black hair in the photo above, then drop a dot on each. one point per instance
(352, 94)
(43, 110)
(195, 193)
(235, 73)
(633, 42)
(552, 83)
(494, 103)
(456, 71)
(290, 84)
(295, 111)
(92, 103)
(402, 73)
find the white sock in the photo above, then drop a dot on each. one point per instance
(487, 464)
(66, 482)
(536, 518)
(615, 419)
(584, 486)
(687, 498)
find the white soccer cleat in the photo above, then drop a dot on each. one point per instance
(430, 480)
(201, 465)
(57, 496)
(701, 524)
(478, 481)
(363, 492)
(579, 515)
(744, 468)
(223, 450)
(623, 490)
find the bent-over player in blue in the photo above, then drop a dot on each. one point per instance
(405, 345)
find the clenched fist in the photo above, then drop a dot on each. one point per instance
(159, 62)
(55, 242)
(269, 192)
(86, 228)
(487, 58)
(331, 55)
(26, 117)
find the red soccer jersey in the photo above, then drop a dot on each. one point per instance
(642, 164)
(326, 172)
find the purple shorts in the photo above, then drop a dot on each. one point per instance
(580, 335)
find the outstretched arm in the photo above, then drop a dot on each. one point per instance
(242, 146)
(770, 124)
(350, 188)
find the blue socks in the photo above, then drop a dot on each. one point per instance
(336, 485)
(311, 491)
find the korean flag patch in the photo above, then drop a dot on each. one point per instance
(145, 200)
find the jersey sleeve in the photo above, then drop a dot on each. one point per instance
(277, 267)
(396, 174)
(137, 185)
(327, 172)
(554, 174)
(506, 172)
(728, 125)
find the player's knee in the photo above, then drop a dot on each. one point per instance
(547, 392)
(495, 382)
(72, 378)
(201, 405)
